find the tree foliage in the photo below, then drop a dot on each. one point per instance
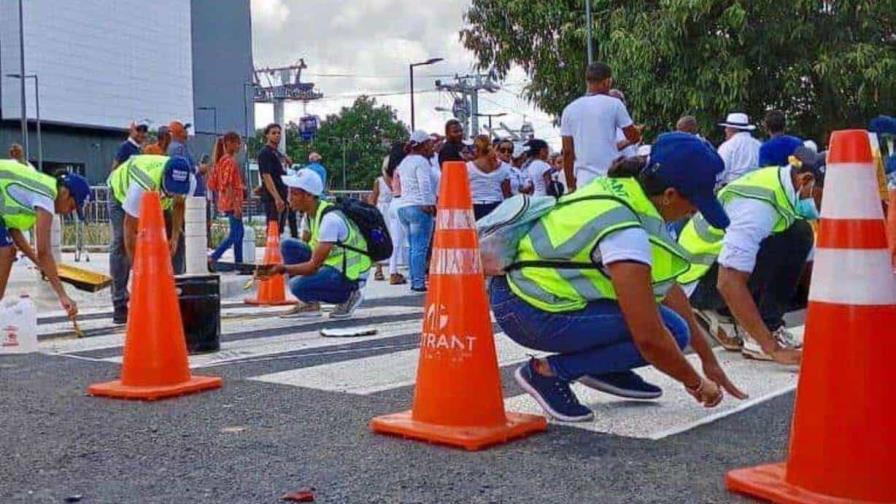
(360, 134)
(826, 64)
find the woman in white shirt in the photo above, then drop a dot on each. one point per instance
(396, 230)
(381, 198)
(540, 172)
(513, 156)
(417, 204)
(489, 178)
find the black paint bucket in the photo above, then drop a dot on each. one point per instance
(200, 310)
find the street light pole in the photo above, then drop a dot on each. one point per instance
(344, 184)
(40, 144)
(588, 23)
(24, 120)
(411, 67)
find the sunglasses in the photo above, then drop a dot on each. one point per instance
(505, 150)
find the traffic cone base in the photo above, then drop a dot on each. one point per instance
(767, 482)
(117, 390)
(470, 438)
(272, 291)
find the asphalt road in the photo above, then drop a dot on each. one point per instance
(253, 441)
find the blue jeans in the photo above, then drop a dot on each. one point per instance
(594, 340)
(418, 227)
(234, 239)
(328, 285)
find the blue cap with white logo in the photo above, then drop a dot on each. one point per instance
(691, 166)
(178, 176)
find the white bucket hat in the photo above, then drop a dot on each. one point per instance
(738, 120)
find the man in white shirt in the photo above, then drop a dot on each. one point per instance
(588, 127)
(739, 151)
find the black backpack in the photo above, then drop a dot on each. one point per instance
(370, 223)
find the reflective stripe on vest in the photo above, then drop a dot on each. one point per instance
(351, 263)
(704, 242)
(555, 271)
(145, 170)
(17, 214)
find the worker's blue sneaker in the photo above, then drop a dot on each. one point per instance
(623, 384)
(552, 394)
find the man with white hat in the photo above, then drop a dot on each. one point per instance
(330, 268)
(740, 151)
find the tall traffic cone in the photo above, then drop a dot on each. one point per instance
(457, 400)
(842, 443)
(272, 290)
(155, 364)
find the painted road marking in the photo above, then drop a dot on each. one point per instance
(377, 373)
(676, 411)
(237, 326)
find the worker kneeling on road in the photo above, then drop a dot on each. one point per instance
(29, 199)
(589, 275)
(331, 266)
(173, 179)
(753, 267)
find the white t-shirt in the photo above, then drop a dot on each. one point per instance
(333, 229)
(435, 174)
(519, 179)
(630, 244)
(536, 170)
(486, 187)
(32, 199)
(134, 196)
(740, 154)
(592, 122)
(415, 174)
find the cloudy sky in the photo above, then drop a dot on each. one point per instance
(355, 47)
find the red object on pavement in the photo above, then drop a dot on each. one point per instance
(300, 495)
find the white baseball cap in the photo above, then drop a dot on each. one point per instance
(306, 180)
(518, 150)
(418, 137)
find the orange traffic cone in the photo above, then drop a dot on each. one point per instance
(843, 444)
(458, 398)
(272, 290)
(155, 362)
(891, 223)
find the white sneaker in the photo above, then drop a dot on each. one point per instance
(722, 329)
(787, 339)
(347, 309)
(753, 350)
(303, 311)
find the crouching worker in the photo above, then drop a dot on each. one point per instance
(589, 276)
(173, 179)
(31, 200)
(330, 267)
(752, 269)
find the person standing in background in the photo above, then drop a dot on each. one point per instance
(540, 172)
(489, 178)
(588, 127)
(160, 147)
(779, 147)
(314, 164)
(271, 169)
(435, 168)
(453, 148)
(626, 147)
(178, 148)
(133, 145)
(381, 198)
(396, 229)
(508, 152)
(739, 151)
(17, 153)
(688, 124)
(227, 181)
(417, 204)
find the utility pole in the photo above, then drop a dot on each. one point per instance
(589, 22)
(24, 122)
(465, 90)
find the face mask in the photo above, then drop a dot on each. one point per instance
(806, 208)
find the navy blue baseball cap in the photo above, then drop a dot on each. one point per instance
(78, 188)
(883, 125)
(691, 166)
(178, 177)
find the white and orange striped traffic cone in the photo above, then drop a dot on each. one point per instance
(843, 444)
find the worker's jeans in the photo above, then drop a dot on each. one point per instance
(328, 285)
(234, 239)
(418, 227)
(773, 283)
(119, 264)
(592, 341)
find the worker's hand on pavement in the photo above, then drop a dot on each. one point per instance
(709, 394)
(69, 305)
(715, 373)
(787, 356)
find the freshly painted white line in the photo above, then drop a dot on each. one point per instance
(676, 411)
(377, 373)
(853, 277)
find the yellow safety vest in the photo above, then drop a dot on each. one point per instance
(344, 256)
(554, 269)
(146, 170)
(704, 242)
(16, 214)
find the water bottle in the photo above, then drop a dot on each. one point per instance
(18, 326)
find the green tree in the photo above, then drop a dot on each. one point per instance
(359, 135)
(826, 64)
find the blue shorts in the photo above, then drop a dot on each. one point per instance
(5, 239)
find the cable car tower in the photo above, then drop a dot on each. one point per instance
(280, 85)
